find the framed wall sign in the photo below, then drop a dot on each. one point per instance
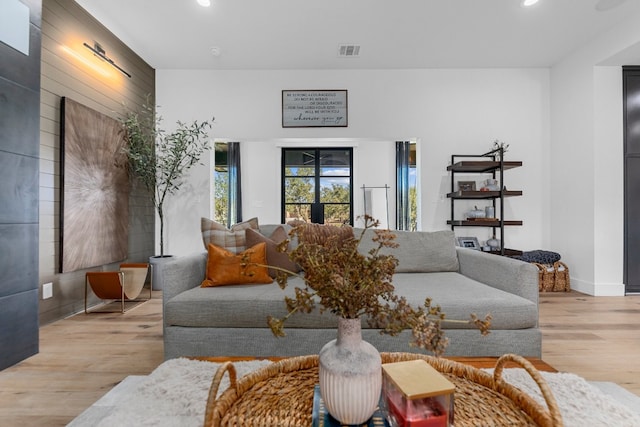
(314, 108)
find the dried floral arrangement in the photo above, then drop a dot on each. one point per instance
(497, 145)
(350, 284)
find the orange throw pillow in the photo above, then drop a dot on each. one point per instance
(225, 268)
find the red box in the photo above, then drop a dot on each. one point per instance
(416, 395)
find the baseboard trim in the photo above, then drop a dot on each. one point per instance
(598, 289)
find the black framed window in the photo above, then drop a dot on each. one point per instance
(317, 185)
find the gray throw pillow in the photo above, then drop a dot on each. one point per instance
(418, 251)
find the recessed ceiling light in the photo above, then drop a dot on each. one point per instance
(527, 3)
(204, 3)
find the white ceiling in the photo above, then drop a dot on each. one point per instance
(305, 34)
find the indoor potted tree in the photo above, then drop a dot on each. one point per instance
(159, 160)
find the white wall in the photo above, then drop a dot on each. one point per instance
(447, 111)
(587, 159)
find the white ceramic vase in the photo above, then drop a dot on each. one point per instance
(350, 375)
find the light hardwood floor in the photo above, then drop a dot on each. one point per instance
(84, 356)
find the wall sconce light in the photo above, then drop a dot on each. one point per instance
(100, 52)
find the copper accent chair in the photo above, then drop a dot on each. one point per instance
(123, 285)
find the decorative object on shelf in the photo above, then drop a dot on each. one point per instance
(468, 242)
(476, 213)
(350, 374)
(500, 146)
(466, 186)
(351, 285)
(491, 184)
(490, 212)
(493, 243)
(159, 160)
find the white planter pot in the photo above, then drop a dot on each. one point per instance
(350, 375)
(157, 262)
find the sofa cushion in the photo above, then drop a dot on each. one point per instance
(459, 296)
(418, 251)
(245, 306)
(318, 234)
(239, 306)
(226, 268)
(232, 239)
(275, 258)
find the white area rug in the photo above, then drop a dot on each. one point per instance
(175, 395)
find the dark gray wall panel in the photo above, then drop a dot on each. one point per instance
(19, 260)
(19, 194)
(631, 117)
(18, 327)
(19, 68)
(19, 119)
(19, 188)
(632, 111)
(632, 226)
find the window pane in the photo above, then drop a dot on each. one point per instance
(413, 189)
(338, 158)
(334, 171)
(334, 190)
(335, 163)
(221, 196)
(221, 152)
(337, 214)
(299, 163)
(220, 183)
(298, 190)
(299, 171)
(294, 211)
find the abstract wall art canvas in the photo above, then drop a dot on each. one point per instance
(95, 189)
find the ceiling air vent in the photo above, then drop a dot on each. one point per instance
(349, 51)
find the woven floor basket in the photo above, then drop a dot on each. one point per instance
(553, 278)
(281, 394)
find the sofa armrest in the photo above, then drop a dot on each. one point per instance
(507, 274)
(182, 274)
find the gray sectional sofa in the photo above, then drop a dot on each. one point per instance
(231, 320)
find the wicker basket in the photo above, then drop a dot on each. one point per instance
(553, 278)
(281, 394)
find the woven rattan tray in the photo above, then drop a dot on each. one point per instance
(281, 394)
